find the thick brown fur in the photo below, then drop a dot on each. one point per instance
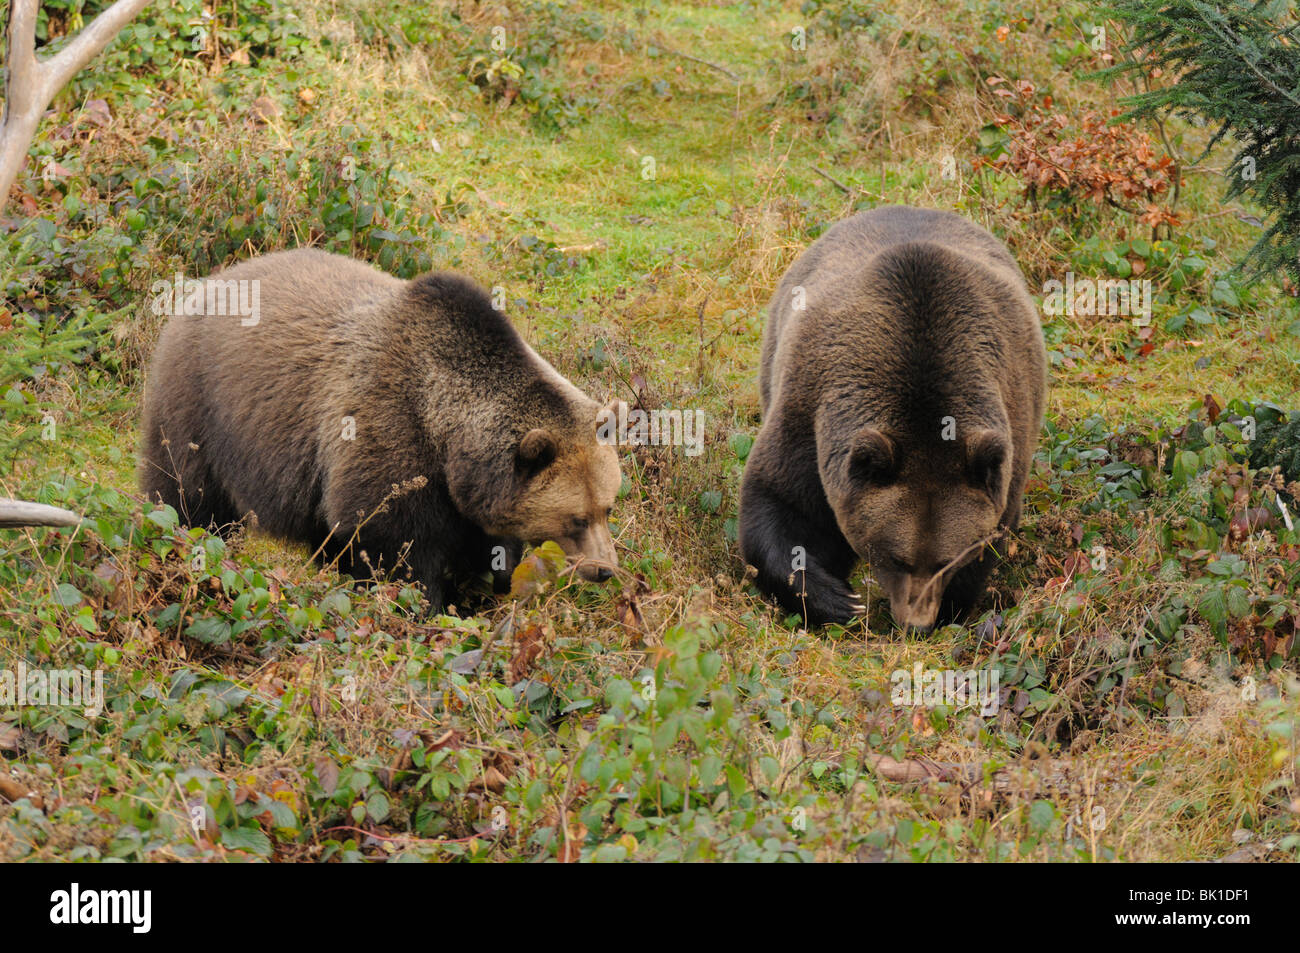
(352, 381)
(901, 409)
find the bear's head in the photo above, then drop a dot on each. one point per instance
(562, 488)
(918, 510)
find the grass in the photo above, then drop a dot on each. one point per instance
(257, 706)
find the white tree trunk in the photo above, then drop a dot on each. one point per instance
(30, 83)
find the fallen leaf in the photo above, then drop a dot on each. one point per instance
(467, 662)
(327, 774)
(97, 113)
(264, 109)
(529, 644)
(490, 780)
(12, 790)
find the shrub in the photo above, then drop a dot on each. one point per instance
(1096, 161)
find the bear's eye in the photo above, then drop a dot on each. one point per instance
(579, 524)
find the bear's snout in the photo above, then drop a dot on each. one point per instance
(592, 553)
(914, 600)
(919, 617)
(594, 573)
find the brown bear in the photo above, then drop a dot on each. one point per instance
(903, 382)
(303, 386)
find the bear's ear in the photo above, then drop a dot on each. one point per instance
(607, 419)
(986, 455)
(536, 451)
(873, 458)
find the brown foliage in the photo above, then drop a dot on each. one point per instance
(1105, 163)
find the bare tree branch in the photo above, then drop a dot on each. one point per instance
(30, 82)
(85, 45)
(15, 514)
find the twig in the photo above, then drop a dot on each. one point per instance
(695, 59)
(833, 181)
(956, 561)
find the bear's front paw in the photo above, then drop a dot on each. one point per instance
(825, 599)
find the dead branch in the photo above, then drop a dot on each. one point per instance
(15, 514)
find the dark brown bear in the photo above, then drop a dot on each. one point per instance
(301, 386)
(903, 383)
